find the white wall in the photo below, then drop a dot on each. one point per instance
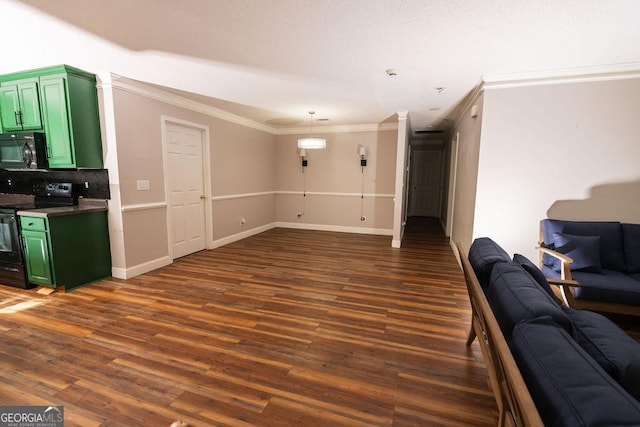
(569, 151)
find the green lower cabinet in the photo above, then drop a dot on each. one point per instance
(37, 257)
(66, 251)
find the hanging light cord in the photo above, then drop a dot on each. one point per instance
(304, 191)
(362, 198)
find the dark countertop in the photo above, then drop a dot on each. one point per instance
(84, 206)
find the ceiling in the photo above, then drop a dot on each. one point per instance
(274, 60)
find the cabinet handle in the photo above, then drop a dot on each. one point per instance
(18, 119)
(30, 224)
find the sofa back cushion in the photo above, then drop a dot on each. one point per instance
(615, 351)
(515, 296)
(610, 232)
(631, 241)
(568, 387)
(534, 272)
(484, 253)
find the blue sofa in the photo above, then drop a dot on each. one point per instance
(578, 367)
(599, 262)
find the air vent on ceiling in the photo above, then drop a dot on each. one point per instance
(428, 132)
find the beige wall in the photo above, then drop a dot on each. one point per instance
(569, 151)
(256, 181)
(468, 133)
(241, 159)
(334, 182)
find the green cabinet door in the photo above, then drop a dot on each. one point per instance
(37, 257)
(10, 108)
(56, 122)
(20, 105)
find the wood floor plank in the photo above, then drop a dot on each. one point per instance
(287, 327)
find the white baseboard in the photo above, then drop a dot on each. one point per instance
(243, 235)
(336, 228)
(127, 273)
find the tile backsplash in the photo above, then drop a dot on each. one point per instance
(92, 183)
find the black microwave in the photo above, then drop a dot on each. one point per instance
(23, 150)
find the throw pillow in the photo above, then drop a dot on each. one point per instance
(534, 272)
(584, 250)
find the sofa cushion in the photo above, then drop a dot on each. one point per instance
(568, 387)
(631, 243)
(615, 351)
(549, 272)
(535, 272)
(609, 286)
(584, 250)
(610, 232)
(483, 254)
(514, 296)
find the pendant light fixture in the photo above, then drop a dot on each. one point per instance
(312, 143)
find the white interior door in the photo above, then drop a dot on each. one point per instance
(426, 183)
(186, 196)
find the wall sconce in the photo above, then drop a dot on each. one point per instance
(303, 158)
(362, 152)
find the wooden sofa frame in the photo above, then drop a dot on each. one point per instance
(515, 405)
(566, 286)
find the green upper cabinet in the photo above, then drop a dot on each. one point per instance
(66, 107)
(20, 105)
(57, 122)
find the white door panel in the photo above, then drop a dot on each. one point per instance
(186, 189)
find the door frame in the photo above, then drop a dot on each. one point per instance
(206, 176)
(453, 174)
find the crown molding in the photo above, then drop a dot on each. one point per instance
(118, 82)
(140, 88)
(370, 127)
(572, 75)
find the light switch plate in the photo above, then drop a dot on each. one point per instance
(143, 184)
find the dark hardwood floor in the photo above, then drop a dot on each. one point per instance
(288, 327)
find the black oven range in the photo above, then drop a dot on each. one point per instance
(49, 194)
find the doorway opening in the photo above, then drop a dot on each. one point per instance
(426, 180)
